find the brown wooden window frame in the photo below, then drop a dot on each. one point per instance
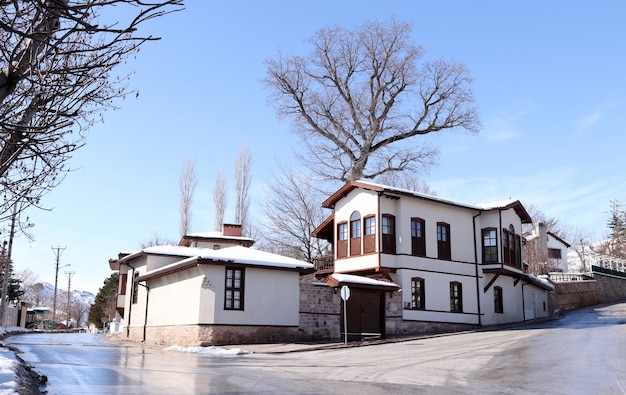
(511, 247)
(355, 233)
(490, 250)
(342, 240)
(233, 291)
(456, 297)
(123, 281)
(554, 253)
(418, 294)
(444, 246)
(418, 237)
(388, 233)
(498, 304)
(135, 288)
(369, 234)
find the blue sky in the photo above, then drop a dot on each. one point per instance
(548, 79)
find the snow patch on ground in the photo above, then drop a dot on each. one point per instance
(8, 364)
(208, 350)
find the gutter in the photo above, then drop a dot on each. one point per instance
(476, 268)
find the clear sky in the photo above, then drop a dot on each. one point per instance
(549, 82)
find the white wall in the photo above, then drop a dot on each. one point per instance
(271, 297)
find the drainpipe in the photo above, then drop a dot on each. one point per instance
(130, 304)
(145, 320)
(476, 268)
(523, 304)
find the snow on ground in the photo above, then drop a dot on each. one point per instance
(8, 364)
(208, 350)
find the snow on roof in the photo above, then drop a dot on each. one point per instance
(478, 206)
(547, 284)
(354, 279)
(215, 235)
(237, 254)
(496, 204)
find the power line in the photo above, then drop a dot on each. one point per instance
(58, 252)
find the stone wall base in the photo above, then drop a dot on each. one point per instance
(399, 327)
(213, 335)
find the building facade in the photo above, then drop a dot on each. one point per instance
(458, 265)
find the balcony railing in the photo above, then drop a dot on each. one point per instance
(325, 263)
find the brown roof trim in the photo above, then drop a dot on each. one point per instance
(347, 188)
(559, 239)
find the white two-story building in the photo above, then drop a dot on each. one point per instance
(457, 265)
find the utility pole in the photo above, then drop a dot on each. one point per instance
(69, 283)
(58, 252)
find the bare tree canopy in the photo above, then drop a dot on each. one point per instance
(187, 185)
(243, 177)
(292, 212)
(220, 199)
(56, 63)
(359, 97)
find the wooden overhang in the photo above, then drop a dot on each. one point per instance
(362, 283)
(517, 276)
(325, 230)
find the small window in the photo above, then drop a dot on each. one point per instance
(418, 237)
(497, 300)
(370, 225)
(388, 228)
(456, 297)
(355, 234)
(443, 241)
(135, 288)
(123, 279)
(233, 290)
(417, 294)
(342, 240)
(554, 253)
(342, 231)
(355, 225)
(369, 238)
(490, 245)
(216, 246)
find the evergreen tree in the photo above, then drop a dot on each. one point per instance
(103, 308)
(617, 226)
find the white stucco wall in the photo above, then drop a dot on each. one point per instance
(271, 297)
(437, 297)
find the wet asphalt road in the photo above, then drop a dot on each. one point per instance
(583, 353)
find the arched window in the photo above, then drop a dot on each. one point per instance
(355, 233)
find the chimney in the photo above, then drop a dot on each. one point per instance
(231, 230)
(542, 234)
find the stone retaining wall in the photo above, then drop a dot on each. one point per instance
(610, 288)
(320, 312)
(574, 295)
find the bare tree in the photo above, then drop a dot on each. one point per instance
(32, 286)
(406, 180)
(155, 240)
(56, 77)
(292, 211)
(220, 198)
(187, 185)
(359, 99)
(243, 177)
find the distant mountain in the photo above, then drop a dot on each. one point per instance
(45, 292)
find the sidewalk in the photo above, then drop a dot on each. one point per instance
(281, 348)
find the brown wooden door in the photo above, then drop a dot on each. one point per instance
(365, 314)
